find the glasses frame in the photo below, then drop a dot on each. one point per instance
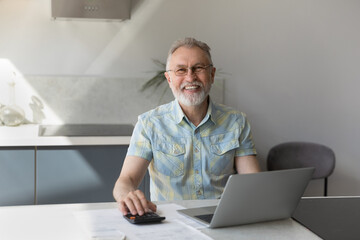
(200, 70)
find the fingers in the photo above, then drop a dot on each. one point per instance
(123, 208)
(136, 203)
(152, 206)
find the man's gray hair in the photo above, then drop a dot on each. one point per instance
(189, 43)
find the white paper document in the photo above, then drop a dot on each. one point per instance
(110, 224)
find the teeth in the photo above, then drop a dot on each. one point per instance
(191, 87)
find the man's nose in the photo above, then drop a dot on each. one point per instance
(190, 75)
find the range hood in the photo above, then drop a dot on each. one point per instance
(91, 9)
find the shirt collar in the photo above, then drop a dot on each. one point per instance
(210, 112)
(179, 114)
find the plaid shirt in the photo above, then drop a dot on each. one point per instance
(189, 162)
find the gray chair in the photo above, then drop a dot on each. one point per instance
(303, 154)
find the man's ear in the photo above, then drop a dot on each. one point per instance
(213, 70)
(167, 77)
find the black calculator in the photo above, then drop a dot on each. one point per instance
(149, 217)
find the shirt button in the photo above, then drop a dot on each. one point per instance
(198, 192)
(196, 150)
(197, 171)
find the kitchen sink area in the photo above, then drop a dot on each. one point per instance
(65, 135)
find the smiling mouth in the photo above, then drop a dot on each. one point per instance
(192, 87)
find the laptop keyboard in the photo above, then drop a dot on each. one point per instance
(206, 217)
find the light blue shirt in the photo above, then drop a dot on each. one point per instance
(189, 162)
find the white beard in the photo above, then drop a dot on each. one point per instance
(191, 99)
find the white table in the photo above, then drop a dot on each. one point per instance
(52, 222)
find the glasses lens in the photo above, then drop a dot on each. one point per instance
(181, 71)
(198, 69)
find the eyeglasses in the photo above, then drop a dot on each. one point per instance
(182, 71)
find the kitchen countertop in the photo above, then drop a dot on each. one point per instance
(28, 135)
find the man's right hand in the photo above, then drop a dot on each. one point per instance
(135, 202)
(125, 193)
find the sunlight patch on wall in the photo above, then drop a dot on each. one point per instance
(26, 97)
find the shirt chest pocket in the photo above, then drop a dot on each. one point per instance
(169, 158)
(223, 152)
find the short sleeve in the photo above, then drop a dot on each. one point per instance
(140, 144)
(247, 146)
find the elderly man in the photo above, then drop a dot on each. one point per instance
(191, 145)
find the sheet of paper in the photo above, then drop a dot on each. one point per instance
(170, 211)
(109, 223)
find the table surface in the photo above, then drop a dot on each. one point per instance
(331, 218)
(58, 222)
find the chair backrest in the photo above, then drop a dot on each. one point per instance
(302, 154)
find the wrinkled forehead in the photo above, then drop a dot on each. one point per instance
(188, 56)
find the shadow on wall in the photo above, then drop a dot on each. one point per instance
(107, 50)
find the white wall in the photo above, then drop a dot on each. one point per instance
(292, 65)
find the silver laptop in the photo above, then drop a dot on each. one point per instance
(256, 197)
